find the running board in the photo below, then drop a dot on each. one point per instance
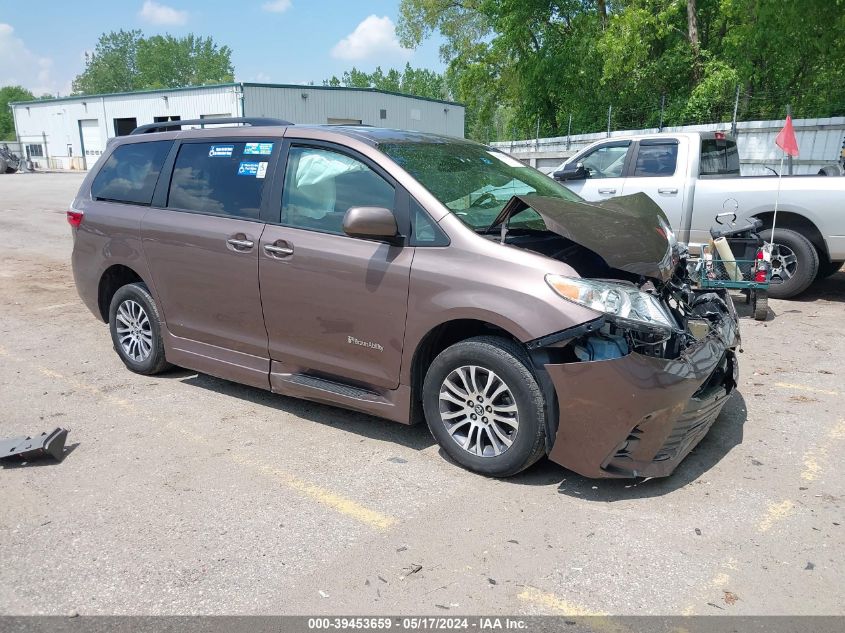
(343, 390)
(393, 404)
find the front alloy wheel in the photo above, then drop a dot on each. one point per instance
(484, 406)
(479, 411)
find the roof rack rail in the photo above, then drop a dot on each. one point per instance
(164, 125)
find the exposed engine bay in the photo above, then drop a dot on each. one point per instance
(638, 253)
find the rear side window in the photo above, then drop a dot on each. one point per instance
(719, 157)
(220, 178)
(131, 172)
(656, 160)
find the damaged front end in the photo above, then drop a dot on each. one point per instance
(640, 385)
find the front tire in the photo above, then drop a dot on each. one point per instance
(484, 406)
(135, 328)
(794, 261)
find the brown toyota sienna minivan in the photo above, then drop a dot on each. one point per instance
(413, 277)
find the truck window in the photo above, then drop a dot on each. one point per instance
(131, 172)
(220, 178)
(719, 157)
(606, 161)
(656, 160)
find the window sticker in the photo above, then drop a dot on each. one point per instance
(259, 149)
(248, 169)
(262, 170)
(221, 151)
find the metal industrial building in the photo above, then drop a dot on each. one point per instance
(72, 132)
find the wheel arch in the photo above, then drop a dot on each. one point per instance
(800, 224)
(113, 278)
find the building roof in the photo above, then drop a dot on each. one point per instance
(229, 85)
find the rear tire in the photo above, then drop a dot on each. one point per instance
(484, 406)
(797, 274)
(135, 328)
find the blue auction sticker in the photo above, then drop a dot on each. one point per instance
(221, 151)
(248, 169)
(259, 149)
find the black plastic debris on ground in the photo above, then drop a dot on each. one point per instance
(27, 448)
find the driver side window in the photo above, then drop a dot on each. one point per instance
(606, 161)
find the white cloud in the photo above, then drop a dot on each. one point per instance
(276, 6)
(373, 38)
(20, 66)
(161, 14)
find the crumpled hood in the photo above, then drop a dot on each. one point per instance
(630, 233)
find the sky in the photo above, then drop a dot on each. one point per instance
(43, 43)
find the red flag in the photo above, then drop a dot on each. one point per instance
(786, 138)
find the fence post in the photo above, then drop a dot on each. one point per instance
(789, 158)
(46, 151)
(662, 108)
(736, 108)
(569, 131)
(609, 112)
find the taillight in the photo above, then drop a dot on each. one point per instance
(74, 218)
(761, 268)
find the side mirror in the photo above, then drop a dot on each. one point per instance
(374, 223)
(572, 171)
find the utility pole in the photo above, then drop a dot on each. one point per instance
(662, 108)
(789, 159)
(736, 108)
(609, 112)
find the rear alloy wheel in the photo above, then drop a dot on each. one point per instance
(484, 407)
(795, 263)
(136, 330)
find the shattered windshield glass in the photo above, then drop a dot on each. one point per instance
(475, 182)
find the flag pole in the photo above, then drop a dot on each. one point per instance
(775, 214)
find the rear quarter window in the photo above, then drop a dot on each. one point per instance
(130, 173)
(219, 178)
(719, 157)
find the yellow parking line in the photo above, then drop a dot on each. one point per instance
(553, 603)
(775, 513)
(597, 621)
(789, 385)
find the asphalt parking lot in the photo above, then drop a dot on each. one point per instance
(185, 494)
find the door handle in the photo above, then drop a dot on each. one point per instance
(240, 245)
(668, 190)
(274, 250)
(607, 190)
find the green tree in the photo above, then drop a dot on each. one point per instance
(520, 65)
(125, 60)
(9, 94)
(419, 82)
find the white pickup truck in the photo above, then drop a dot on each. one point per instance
(694, 176)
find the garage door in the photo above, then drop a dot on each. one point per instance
(92, 141)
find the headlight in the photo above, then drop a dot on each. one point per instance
(621, 301)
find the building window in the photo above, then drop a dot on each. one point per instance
(382, 114)
(35, 150)
(124, 127)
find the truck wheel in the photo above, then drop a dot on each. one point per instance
(484, 407)
(827, 268)
(794, 261)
